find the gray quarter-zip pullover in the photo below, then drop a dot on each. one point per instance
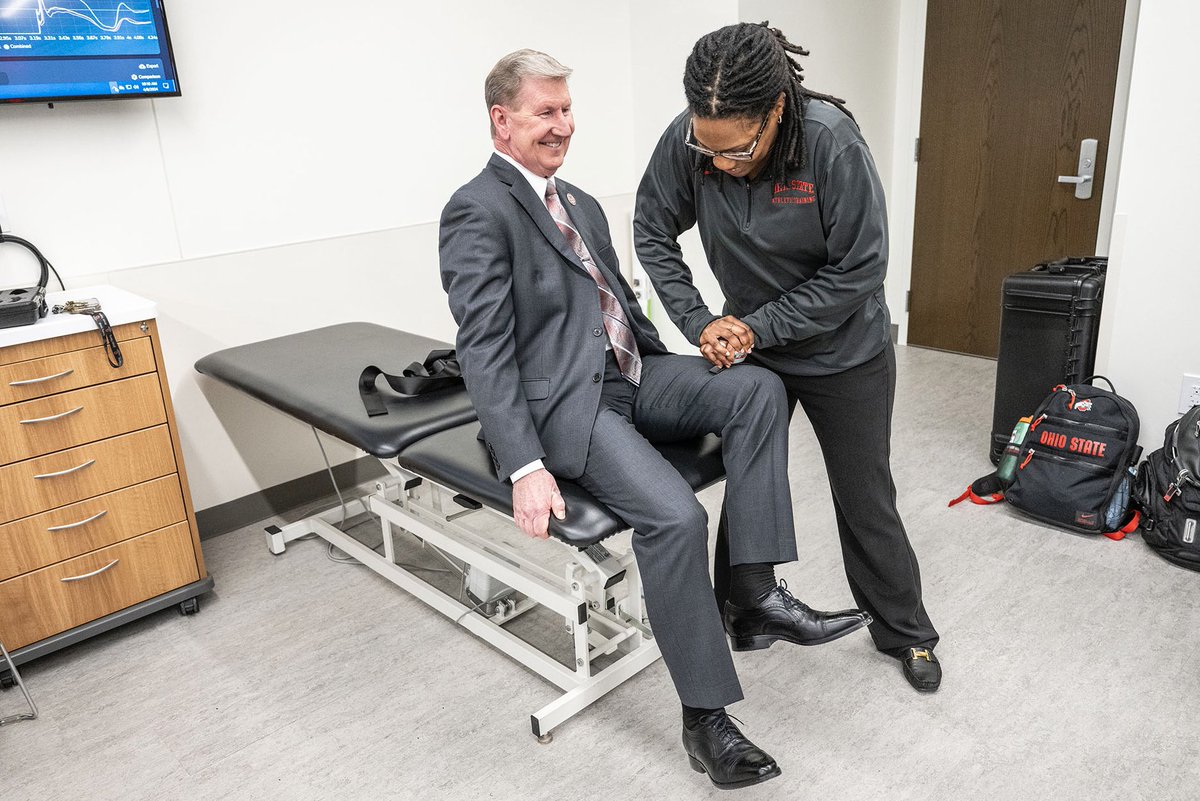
(801, 258)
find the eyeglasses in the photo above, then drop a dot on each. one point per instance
(689, 139)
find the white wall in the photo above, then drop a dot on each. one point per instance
(301, 130)
(663, 36)
(298, 180)
(1151, 297)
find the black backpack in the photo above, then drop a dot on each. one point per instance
(1168, 492)
(1075, 466)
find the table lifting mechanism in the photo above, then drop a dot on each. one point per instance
(438, 473)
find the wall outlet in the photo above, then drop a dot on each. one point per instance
(1189, 392)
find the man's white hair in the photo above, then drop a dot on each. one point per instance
(503, 83)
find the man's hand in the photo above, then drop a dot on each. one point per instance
(535, 496)
(723, 340)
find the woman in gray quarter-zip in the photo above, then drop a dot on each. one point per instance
(791, 214)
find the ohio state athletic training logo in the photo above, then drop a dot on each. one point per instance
(794, 192)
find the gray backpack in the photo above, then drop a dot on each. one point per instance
(1168, 492)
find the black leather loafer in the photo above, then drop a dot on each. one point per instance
(922, 669)
(779, 616)
(717, 747)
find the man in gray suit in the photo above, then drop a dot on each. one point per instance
(570, 380)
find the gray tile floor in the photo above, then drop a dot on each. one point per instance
(1071, 672)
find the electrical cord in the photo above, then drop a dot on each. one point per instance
(32, 248)
(349, 560)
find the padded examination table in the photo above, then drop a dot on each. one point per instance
(441, 471)
(313, 376)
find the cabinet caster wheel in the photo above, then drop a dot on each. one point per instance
(189, 607)
(7, 680)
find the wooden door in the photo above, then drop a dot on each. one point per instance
(1011, 87)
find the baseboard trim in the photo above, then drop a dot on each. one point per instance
(241, 512)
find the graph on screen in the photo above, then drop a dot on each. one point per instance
(58, 28)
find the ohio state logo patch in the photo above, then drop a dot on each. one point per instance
(794, 191)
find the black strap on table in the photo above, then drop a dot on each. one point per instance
(439, 370)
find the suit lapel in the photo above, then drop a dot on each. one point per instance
(535, 207)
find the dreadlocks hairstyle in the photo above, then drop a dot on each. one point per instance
(739, 71)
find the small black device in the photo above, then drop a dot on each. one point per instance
(24, 305)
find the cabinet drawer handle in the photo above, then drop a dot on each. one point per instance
(96, 516)
(44, 378)
(52, 417)
(93, 573)
(68, 471)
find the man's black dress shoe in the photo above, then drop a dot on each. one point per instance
(717, 747)
(921, 668)
(779, 616)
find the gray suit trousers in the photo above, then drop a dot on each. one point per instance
(678, 399)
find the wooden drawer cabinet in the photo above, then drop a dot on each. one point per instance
(66, 594)
(96, 523)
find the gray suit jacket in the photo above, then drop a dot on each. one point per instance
(530, 339)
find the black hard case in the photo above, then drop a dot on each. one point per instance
(1048, 331)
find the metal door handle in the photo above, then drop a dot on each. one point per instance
(1086, 171)
(109, 566)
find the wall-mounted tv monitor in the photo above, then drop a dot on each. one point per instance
(84, 50)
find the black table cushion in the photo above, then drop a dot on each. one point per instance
(313, 376)
(458, 459)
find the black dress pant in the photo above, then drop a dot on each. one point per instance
(851, 414)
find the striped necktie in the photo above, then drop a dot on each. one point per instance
(616, 325)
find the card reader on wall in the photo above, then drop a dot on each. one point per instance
(24, 305)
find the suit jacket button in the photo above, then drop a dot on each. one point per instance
(596, 378)
(597, 332)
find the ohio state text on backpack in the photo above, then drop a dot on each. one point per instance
(1168, 490)
(1076, 465)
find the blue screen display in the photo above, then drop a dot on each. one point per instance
(73, 49)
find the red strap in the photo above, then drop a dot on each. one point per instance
(995, 497)
(1128, 528)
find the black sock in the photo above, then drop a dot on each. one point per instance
(749, 583)
(692, 714)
